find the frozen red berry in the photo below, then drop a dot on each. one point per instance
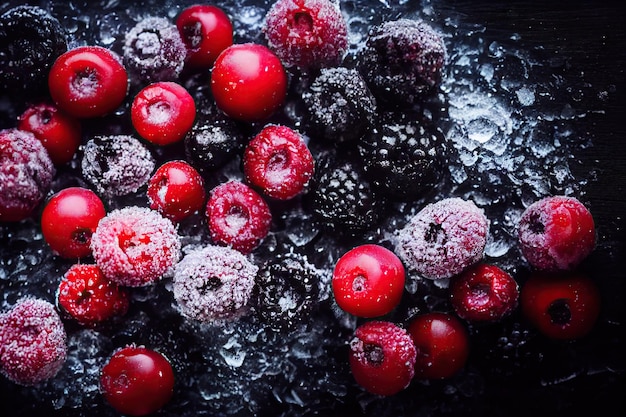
(484, 293)
(442, 345)
(238, 216)
(89, 297)
(69, 219)
(561, 306)
(135, 246)
(556, 233)
(88, 81)
(368, 281)
(59, 133)
(26, 173)
(307, 33)
(382, 357)
(32, 342)
(206, 31)
(248, 82)
(137, 381)
(278, 162)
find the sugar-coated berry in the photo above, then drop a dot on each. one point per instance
(368, 281)
(206, 31)
(32, 342)
(212, 142)
(248, 82)
(382, 357)
(556, 233)
(137, 381)
(69, 219)
(278, 161)
(135, 246)
(88, 81)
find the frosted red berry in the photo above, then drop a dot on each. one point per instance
(278, 161)
(248, 82)
(382, 357)
(69, 219)
(206, 31)
(137, 381)
(163, 113)
(88, 81)
(89, 297)
(368, 281)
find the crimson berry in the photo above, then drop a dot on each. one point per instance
(442, 345)
(88, 81)
(137, 381)
(206, 31)
(248, 82)
(176, 190)
(163, 113)
(368, 281)
(237, 216)
(89, 297)
(561, 306)
(382, 357)
(484, 293)
(69, 219)
(278, 162)
(59, 133)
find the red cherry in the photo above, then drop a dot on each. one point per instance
(248, 82)
(88, 81)
(368, 281)
(137, 381)
(163, 113)
(206, 31)
(561, 306)
(442, 345)
(59, 133)
(69, 219)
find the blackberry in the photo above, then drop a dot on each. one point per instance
(30, 41)
(340, 105)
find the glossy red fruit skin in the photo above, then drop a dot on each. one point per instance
(176, 190)
(162, 113)
(88, 81)
(278, 162)
(368, 281)
(382, 357)
(137, 381)
(59, 133)
(442, 345)
(248, 82)
(207, 31)
(561, 306)
(69, 219)
(484, 293)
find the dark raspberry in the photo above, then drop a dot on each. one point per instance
(30, 41)
(116, 165)
(340, 105)
(402, 60)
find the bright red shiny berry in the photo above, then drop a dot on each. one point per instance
(163, 112)
(248, 82)
(89, 297)
(88, 81)
(176, 190)
(238, 216)
(69, 219)
(382, 357)
(484, 293)
(137, 381)
(206, 31)
(278, 162)
(442, 345)
(368, 281)
(59, 133)
(561, 306)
